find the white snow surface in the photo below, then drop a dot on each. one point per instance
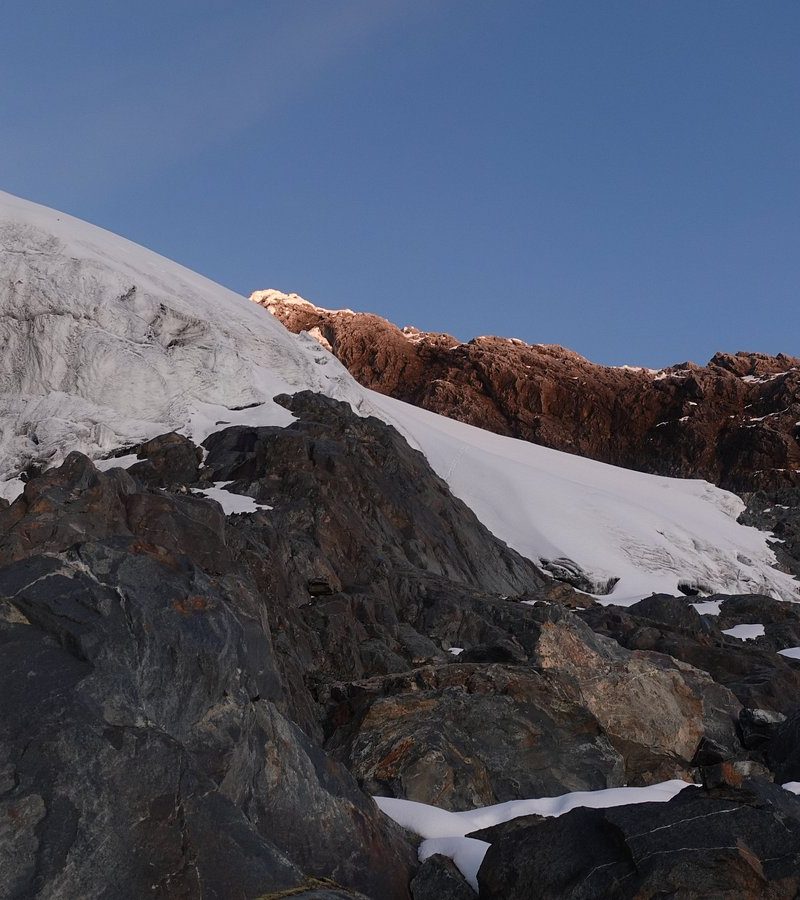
(231, 503)
(791, 652)
(445, 831)
(652, 533)
(104, 344)
(708, 607)
(745, 632)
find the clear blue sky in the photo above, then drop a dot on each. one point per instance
(619, 177)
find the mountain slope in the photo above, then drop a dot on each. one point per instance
(734, 422)
(106, 344)
(212, 656)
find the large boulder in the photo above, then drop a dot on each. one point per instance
(469, 735)
(654, 709)
(752, 670)
(719, 843)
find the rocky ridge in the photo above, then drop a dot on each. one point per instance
(200, 704)
(734, 422)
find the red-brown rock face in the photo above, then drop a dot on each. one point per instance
(735, 422)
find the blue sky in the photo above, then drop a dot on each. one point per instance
(619, 177)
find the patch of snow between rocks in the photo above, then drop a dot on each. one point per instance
(232, 504)
(745, 632)
(445, 832)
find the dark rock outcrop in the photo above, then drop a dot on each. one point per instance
(466, 735)
(140, 704)
(752, 670)
(720, 843)
(207, 700)
(439, 879)
(169, 459)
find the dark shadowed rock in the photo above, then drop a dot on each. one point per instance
(141, 704)
(169, 459)
(439, 879)
(783, 752)
(777, 510)
(332, 470)
(722, 843)
(757, 727)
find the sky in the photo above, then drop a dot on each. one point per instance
(622, 178)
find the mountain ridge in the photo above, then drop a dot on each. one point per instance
(734, 422)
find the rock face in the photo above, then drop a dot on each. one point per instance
(752, 670)
(732, 422)
(198, 704)
(718, 843)
(142, 713)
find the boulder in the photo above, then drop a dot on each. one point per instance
(469, 735)
(718, 843)
(655, 709)
(167, 460)
(439, 879)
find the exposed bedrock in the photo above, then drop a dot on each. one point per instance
(726, 842)
(203, 702)
(733, 422)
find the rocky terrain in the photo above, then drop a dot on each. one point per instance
(199, 705)
(734, 422)
(261, 637)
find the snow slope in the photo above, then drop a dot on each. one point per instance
(651, 532)
(104, 343)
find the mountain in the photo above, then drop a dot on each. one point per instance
(241, 595)
(106, 345)
(734, 422)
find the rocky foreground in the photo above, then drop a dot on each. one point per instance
(197, 704)
(734, 422)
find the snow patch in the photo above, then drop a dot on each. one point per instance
(232, 504)
(745, 632)
(708, 607)
(445, 832)
(117, 462)
(11, 488)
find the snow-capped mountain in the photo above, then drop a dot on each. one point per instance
(105, 344)
(214, 657)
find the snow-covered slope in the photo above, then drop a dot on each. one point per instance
(104, 343)
(651, 532)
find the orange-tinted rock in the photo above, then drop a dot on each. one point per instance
(733, 422)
